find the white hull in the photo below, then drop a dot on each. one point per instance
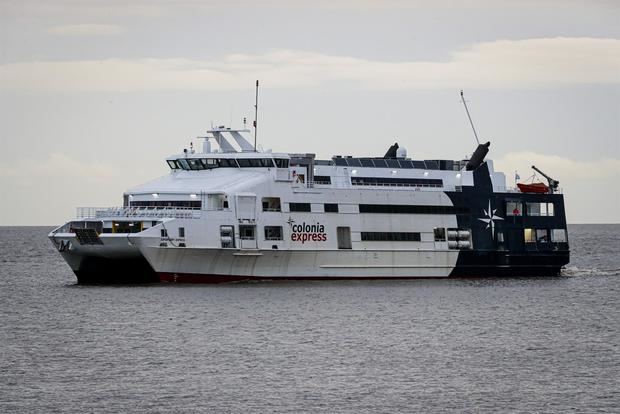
(174, 263)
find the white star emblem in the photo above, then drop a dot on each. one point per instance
(490, 218)
(290, 221)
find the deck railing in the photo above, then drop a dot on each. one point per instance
(138, 212)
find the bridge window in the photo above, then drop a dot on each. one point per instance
(183, 163)
(194, 164)
(255, 162)
(209, 163)
(226, 162)
(273, 232)
(281, 162)
(173, 164)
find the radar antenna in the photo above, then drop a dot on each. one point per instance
(469, 117)
(256, 115)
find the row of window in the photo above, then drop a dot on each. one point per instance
(411, 209)
(397, 163)
(246, 232)
(397, 182)
(515, 208)
(384, 181)
(273, 204)
(545, 235)
(210, 163)
(167, 203)
(394, 236)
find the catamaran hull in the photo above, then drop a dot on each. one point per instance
(195, 265)
(114, 261)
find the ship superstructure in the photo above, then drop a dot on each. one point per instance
(230, 212)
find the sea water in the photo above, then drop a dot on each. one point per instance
(464, 345)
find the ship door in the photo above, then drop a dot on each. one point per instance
(246, 208)
(515, 240)
(246, 216)
(344, 237)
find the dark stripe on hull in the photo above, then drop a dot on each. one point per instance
(465, 272)
(99, 270)
(204, 278)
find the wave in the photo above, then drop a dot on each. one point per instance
(576, 271)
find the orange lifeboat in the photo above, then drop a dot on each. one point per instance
(539, 188)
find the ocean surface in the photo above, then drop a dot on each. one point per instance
(471, 345)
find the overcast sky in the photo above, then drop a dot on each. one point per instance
(95, 94)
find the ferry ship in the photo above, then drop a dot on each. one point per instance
(230, 212)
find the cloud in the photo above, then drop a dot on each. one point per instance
(543, 62)
(59, 167)
(86, 29)
(558, 167)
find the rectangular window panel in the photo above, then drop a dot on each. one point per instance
(387, 236)
(322, 179)
(299, 207)
(440, 234)
(246, 232)
(181, 231)
(542, 236)
(273, 232)
(529, 235)
(500, 237)
(271, 204)
(331, 208)
(533, 209)
(514, 208)
(558, 235)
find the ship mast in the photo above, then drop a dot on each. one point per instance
(469, 117)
